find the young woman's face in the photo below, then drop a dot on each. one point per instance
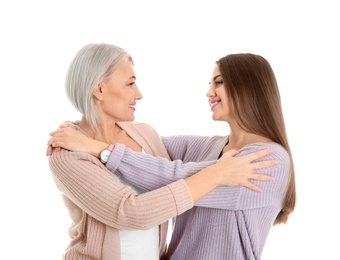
(217, 96)
(120, 93)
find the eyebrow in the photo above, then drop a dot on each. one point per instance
(217, 76)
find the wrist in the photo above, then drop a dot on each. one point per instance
(105, 154)
(215, 176)
(98, 147)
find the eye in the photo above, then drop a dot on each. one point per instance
(132, 83)
(218, 83)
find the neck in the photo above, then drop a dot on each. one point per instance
(107, 132)
(239, 138)
(110, 133)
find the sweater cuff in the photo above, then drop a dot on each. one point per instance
(182, 196)
(115, 157)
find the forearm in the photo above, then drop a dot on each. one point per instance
(202, 182)
(148, 172)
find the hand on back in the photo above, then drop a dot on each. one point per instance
(239, 170)
(69, 136)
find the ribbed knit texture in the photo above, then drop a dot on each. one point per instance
(228, 223)
(99, 204)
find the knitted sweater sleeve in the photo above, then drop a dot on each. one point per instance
(148, 173)
(242, 198)
(87, 183)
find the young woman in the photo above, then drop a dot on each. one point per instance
(110, 218)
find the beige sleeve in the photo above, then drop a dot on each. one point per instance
(85, 181)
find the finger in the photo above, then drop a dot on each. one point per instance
(252, 186)
(264, 164)
(259, 154)
(56, 144)
(262, 177)
(55, 147)
(59, 130)
(53, 133)
(49, 150)
(231, 153)
(52, 141)
(69, 126)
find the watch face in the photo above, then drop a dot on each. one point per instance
(104, 156)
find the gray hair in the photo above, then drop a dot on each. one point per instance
(91, 65)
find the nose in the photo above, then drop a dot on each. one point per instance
(211, 92)
(138, 95)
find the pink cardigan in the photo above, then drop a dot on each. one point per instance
(99, 205)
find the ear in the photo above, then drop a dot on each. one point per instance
(98, 91)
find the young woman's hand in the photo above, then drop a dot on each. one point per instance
(71, 137)
(240, 170)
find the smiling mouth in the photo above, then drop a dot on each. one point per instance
(214, 103)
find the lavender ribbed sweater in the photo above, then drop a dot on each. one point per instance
(228, 223)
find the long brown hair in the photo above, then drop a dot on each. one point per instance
(255, 100)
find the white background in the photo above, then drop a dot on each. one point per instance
(174, 45)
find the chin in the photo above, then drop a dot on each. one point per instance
(215, 118)
(219, 116)
(127, 119)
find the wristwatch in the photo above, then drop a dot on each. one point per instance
(104, 155)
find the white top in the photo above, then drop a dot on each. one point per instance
(139, 244)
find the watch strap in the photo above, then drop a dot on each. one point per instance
(109, 149)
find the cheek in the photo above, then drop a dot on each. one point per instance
(225, 110)
(120, 97)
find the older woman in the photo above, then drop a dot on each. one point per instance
(112, 219)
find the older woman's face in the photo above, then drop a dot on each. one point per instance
(120, 93)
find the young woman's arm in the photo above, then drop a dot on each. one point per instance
(198, 148)
(149, 173)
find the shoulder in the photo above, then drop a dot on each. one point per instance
(192, 139)
(277, 148)
(279, 152)
(66, 158)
